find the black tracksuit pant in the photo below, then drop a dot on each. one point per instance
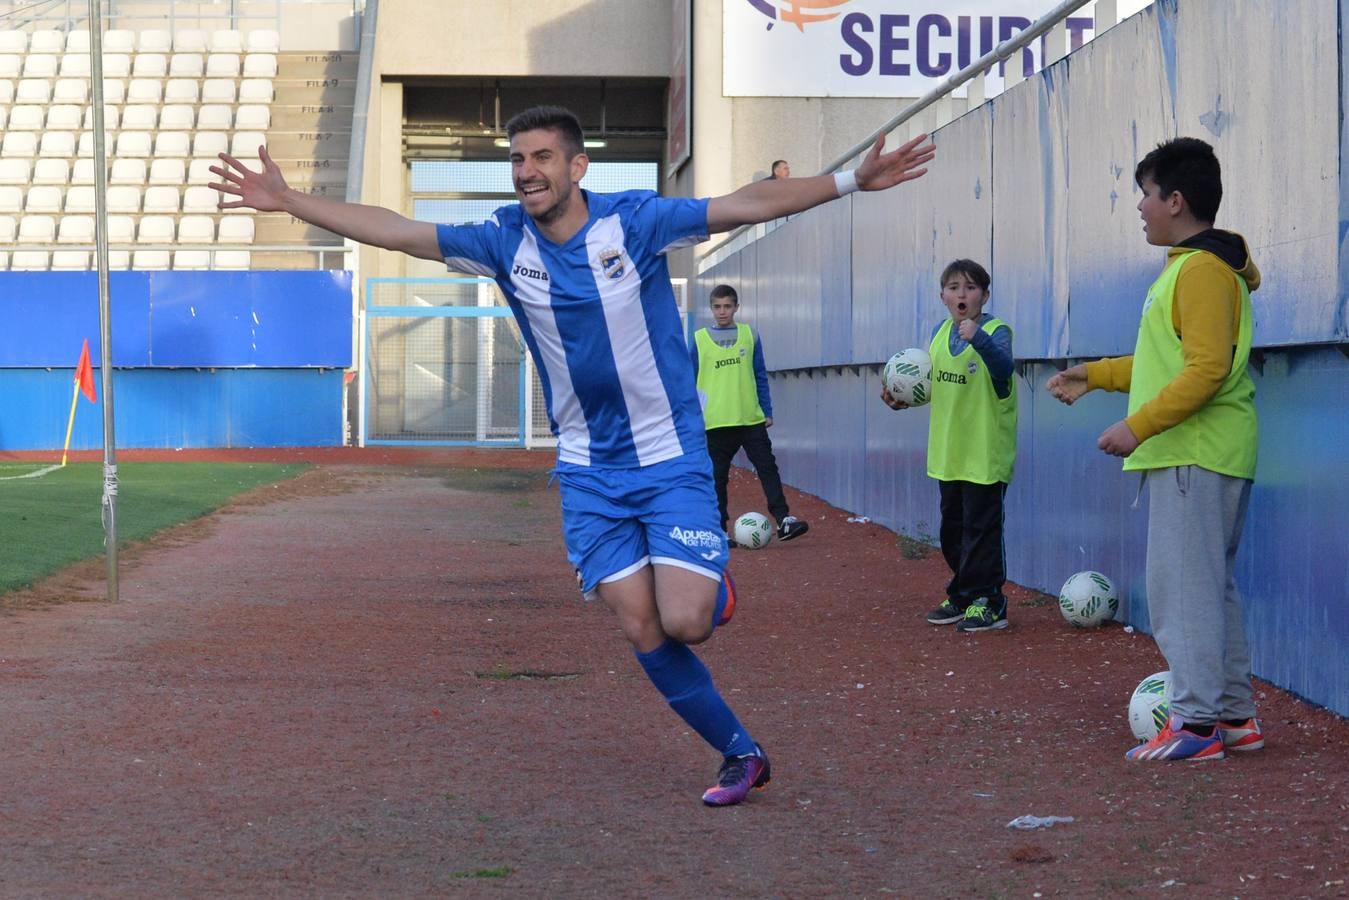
(971, 541)
(724, 443)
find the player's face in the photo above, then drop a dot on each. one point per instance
(545, 179)
(963, 298)
(723, 311)
(1157, 212)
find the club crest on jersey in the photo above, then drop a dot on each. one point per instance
(972, 367)
(611, 263)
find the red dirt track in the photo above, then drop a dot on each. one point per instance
(379, 681)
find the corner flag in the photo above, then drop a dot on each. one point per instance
(84, 384)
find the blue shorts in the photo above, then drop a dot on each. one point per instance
(615, 521)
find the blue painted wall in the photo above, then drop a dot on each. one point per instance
(1039, 184)
(201, 359)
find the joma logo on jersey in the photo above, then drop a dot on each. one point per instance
(527, 272)
(699, 537)
(953, 377)
(611, 263)
(733, 361)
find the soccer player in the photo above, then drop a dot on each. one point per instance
(586, 277)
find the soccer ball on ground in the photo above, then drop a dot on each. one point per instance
(908, 376)
(1150, 706)
(753, 530)
(1088, 599)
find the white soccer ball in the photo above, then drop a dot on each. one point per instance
(1088, 599)
(1150, 706)
(908, 376)
(753, 530)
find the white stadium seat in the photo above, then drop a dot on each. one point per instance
(255, 91)
(264, 40)
(150, 260)
(116, 65)
(253, 117)
(41, 65)
(246, 143)
(223, 65)
(19, 143)
(260, 65)
(47, 41)
(236, 230)
(198, 171)
(127, 171)
(36, 230)
(82, 172)
(4, 117)
(196, 230)
(9, 227)
(177, 117)
(124, 198)
(189, 40)
(16, 171)
(140, 117)
(161, 199)
(11, 199)
(112, 117)
(13, 42)
(192, 259)
(10, 65)
(64, 117)
(215, 117)
(29, 117)
(57, 143)
(154, 40)
(150, 65)
(75, 65)
(80, 198)
(76, 230)
(181, 90)
(121, 229)
(200, 199)
(51, 171)
(114, 90)
(70, 260)
(119, 40)
(173, 143)
(185, 65)
(168, 171)
(33, 90)
(119, 260)
(145, 90)
(77, 41)
(221, 90)
(71, 90)
(227, 41)
(231, 259)
(134, 143)
(155, 230)
(206, 143)
(28, 261)
(43, 198)
(4, 260)
(6, 91)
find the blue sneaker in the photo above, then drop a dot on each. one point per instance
(1177, 742)
(737, 777)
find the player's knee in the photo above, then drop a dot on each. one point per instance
(687, 626)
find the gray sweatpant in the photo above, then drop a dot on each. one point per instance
(1195, 517)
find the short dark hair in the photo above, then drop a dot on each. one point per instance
(724, 290)
(553, 118)
(1190, 166)
(970, 269)
(776, 163)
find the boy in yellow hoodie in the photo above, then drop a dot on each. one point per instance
(1191, 431)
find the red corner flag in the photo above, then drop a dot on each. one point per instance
(84, 374)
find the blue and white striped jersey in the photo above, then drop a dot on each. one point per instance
(600, 318)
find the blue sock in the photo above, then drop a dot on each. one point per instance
(687, 686)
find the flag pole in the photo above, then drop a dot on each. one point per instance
(104, 304)
(70, 425)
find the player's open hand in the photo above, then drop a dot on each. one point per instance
(1118, 439)
(1069, 384)
(879, 170)
(891, 401)
(264, 191)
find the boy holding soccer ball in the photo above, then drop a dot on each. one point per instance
(1191, 431)
(971, 446)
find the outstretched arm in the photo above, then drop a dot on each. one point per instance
(267, 191)
(761, 201)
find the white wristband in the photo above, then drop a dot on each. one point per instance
(846, 182)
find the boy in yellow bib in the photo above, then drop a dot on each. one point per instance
(1191, 431)
(971, 446)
